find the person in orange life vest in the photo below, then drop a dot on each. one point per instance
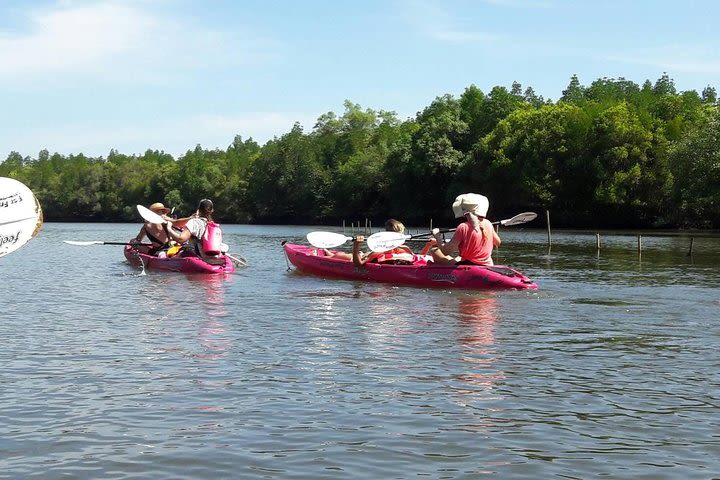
(155, 233)
(391, 225)
(194, 229)
(474, 239)
(360, 259)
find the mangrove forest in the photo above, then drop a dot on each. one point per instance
(612, 154)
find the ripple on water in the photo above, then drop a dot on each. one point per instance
(608, 370)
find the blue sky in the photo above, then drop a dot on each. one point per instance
(87, 76)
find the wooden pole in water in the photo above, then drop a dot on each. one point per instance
(639, 240)
(597, 241)
(343, 226)
(690, 252)
(547, 215)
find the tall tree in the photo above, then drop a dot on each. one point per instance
(635, 177)
(695, 160)
(536, 157)
(287, 182)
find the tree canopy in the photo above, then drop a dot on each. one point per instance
(610, 154)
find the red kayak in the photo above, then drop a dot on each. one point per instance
(313, 261)
(221, 264)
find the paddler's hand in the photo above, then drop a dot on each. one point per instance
(438, 236)
(359, 239)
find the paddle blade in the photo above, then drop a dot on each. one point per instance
(519, 218)
(238, 261)
(384, 241)
(326, 239)
(149, 215)
(20, 215)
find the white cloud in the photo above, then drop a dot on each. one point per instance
(521, 3)
(437, 23)
(686, 58)
(69, 38)
(108, 37)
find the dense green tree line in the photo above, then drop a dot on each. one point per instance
(611, 154)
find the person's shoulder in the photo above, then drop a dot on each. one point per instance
(462, 227)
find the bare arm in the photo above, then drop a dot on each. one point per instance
(450, 247)
(140, 235)
(431, 243)
(496, 238)
(180, 237)
(358, 259)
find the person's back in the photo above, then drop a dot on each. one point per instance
(475, 246)
(194, 229)
(474, 239)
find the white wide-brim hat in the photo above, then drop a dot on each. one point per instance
(471, 202)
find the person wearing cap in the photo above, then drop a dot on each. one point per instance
(155, 233)
(192, 232)
(474, 239)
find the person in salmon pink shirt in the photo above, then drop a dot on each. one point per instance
(474, 239)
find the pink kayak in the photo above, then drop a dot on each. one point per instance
(223, 264)
(312, 260)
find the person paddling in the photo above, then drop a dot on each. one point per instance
(474, 239)
(192, 233)
(154, 232)
(401, 253)
(360, 258)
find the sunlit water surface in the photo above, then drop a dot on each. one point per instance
(610, 369)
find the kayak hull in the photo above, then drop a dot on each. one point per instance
(475, 277)
(177, 263)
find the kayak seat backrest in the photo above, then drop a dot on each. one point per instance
(215, 260)
(508, 272)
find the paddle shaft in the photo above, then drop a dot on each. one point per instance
(239, 261)
(516, 220)
(128, 243)
(100, 242)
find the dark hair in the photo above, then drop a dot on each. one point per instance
(205, 208)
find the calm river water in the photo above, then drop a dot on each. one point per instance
(610, 369)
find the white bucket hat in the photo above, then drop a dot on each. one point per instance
(471, 202)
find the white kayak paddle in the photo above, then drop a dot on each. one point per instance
(377, 242)
(149, 215)
(20, 215)
(327, 239)
(517, 219)
(384, 241)
(84, 243)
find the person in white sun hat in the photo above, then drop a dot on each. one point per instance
(474, 239)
